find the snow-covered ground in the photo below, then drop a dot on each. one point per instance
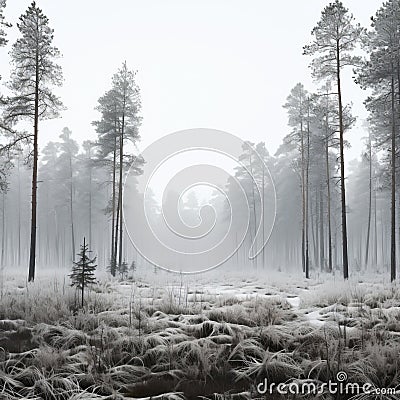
(215, 336)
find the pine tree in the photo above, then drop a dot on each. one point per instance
(106, 156)
(83, 271)
(128, 101)
(335, 37)
(119, 124)
(34, 70)
(297, 112)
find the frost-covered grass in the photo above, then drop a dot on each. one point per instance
(177, 337)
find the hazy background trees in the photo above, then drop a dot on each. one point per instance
(76, 186)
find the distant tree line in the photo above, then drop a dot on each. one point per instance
(326, 221)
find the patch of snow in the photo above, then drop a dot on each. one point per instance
(294, 302)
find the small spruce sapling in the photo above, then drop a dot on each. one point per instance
(83, 270)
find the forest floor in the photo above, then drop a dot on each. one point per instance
(217, 336)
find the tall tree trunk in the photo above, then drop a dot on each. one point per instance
(321, 230)
(121, 166)
(397, 221)
(383, 239)
(116, 237)
(83, 268)
(32, 255)
(19, 214)
(335, 245)
(303, 203)
(313, 216)
(393, 185)
(328, 189)
(307, 258)
(113, 255)
(369, 200)
(375, 227)
(263, 215)
(342, 173)
(317, 237)
(47, 241)
(71, 210)
(3, 229)
(90, 198)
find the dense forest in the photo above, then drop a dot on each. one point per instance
(66, 190)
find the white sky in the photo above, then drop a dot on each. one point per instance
(223, 64)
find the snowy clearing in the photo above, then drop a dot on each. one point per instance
(174, 337)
